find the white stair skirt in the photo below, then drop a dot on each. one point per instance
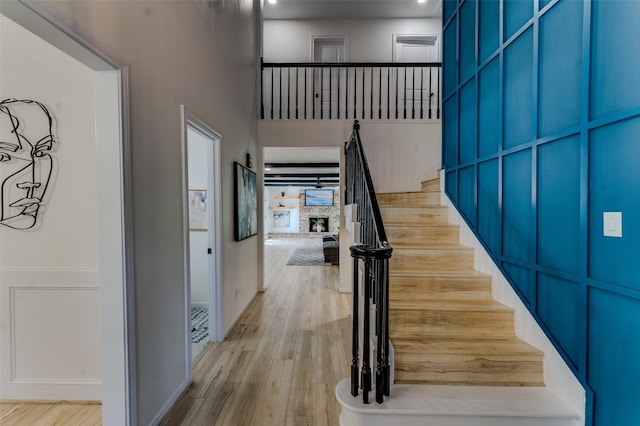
(427, 405)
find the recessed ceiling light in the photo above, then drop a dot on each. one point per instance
(274, 1)
(419, 1)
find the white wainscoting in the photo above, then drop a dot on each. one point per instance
(50, 334)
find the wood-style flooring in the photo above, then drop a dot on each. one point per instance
(278, 366)
(47, 414)
(282, 360)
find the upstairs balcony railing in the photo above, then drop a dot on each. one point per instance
(355, 90)
(370, 279)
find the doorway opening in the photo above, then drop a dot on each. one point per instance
(88, 278)
(202, 188)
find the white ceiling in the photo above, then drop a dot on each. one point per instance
(351, 9)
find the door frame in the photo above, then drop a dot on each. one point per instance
(316, 38)
(397, 38)
(216, 333)
(114, 176)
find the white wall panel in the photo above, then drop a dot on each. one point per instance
(51, 334)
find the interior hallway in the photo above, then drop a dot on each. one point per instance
(282, 360)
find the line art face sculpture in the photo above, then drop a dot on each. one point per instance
(26, 165)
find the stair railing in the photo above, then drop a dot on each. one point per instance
(350, 90)
(373, 254)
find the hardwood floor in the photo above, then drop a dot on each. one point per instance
(279, 365)
(46, 414)
(282, 360)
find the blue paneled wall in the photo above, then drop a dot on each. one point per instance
(541, 136)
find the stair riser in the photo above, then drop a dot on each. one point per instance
(478, 372)
(431, 260)
(490, 324)
(409, 198)
(414, 215)
(465, 296)
(431, 185)
(427, 289)
(422, 235)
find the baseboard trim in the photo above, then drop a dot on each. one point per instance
(242, 311)
(170, 403)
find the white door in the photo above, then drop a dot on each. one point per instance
(328, 80)
(415, 85)
(203, 236)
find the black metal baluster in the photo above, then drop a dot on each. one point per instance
(430, 91)
(280, 92)
(380, 93)
(366, 334)
(387, 369)
(262, 88)
(438, 96)
(388, 92)
(288, 93)
(346, 93)
(272, 93)
(321, 93)
(338, 94)
(379, 333)
(330, 90)
(397, 89)
(405, 93)
(306, 71)
(297, 87)
(363, 108)
(371, 94)
(355, 98)
(421, 92)
(413, 93)
(355, 373)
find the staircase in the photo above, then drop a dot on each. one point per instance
(445, 327)
(457, 360)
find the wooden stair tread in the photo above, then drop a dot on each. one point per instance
(427, 245)
(471, 274)
(463, 346)
(402, 225)
(445, 245)
(449, 306)
(428, 191)
(417, 207)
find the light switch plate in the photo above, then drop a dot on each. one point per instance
(612, 224)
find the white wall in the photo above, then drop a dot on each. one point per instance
(368, 39)
(271, 203)
(50, 278)
(204, 55)
(401, 154)
(198, 178)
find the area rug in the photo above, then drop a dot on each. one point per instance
(199, 324)
(307, 256)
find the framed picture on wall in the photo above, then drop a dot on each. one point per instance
(281, 219)
(198, 210)
(246, 202)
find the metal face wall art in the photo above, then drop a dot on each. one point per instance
(26, 165)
